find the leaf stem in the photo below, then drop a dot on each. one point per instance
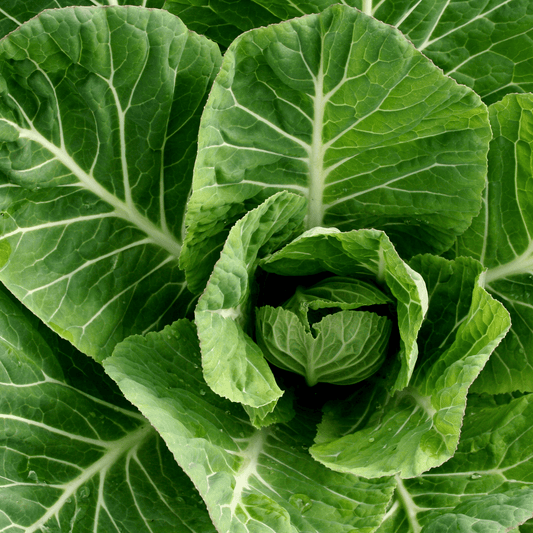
(409, 506)
(367, 7)
(122, 210)
(316, 155)
(523, 264)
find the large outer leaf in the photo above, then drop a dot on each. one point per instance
(221, 20)
(487, 487)
(99, 113)
(375, 433)
(501, 237)
(16, 12)
(343, 110)
(486, 45)
(74, 455)
(252, 480)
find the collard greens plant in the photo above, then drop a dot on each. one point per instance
(266, 266)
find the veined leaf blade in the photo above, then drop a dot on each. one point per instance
(486, 486)
(501, 237)
(342, 110)
(74, 455)
(16, 12)
(252, 480)
(234, 366)
(366, 254)
(376, 433)
(96, 158)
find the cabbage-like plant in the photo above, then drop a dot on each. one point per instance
(262, 280)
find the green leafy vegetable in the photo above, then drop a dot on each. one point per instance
(501, 237)
(484, 45)
(98, 141)
(252, 480)
(75, 456)
(375, 433)
(342, 348)
(486, 486)
(319, 207)
(344, 111)
(233, 364)
(370, 255)
(218, 19)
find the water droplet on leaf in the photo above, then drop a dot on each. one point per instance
(85, 492)
(301, 501)
(475, 476)
(202, 392)
(32, 475)
(371, 439)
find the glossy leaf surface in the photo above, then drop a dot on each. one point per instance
(97, 141)
(253, 480)
(344, 111)
(74, 455)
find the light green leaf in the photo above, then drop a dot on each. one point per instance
(336, 291)
(252, 480)
(486, 487)
(74, 455)
(94, 189)
(234, 366)
(501, 237)
(367, 254)
(342, 110)
(343, 348)
(375, 433)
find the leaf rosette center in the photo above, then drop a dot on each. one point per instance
(326, 332)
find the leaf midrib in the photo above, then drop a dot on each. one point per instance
(121, 209)
(522, 264)
(116, 450)
(316, 152)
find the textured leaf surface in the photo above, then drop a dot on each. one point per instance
(233, 364)
(335, 291)
(98, 125)
(343, 110)
(221, 20)
(343, 348)
(501, 237)
(16, 12)
(486, 487)
(74, 455)
(253, 480)
(486, 45)
(370, 255)
(375, 433)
